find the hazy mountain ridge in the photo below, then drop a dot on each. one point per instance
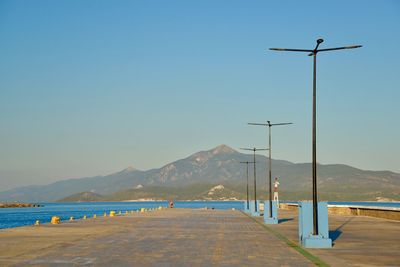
(219, 166)
(83, 197)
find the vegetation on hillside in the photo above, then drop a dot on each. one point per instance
(221, 192)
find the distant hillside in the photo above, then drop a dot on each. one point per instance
(223, 192)
(190, 192)
(83, 197)
(220, 166)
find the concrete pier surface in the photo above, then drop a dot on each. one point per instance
(357, 240)
(188, 237)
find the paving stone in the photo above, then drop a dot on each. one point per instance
(176, 237)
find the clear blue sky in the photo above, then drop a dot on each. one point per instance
(91, 87)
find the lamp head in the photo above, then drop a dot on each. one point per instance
(320, 41)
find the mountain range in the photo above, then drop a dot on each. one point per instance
(204, 170)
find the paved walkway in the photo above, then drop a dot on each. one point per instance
(178, 237)
(185, 237)
(357, 240)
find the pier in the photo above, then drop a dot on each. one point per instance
(198, 237)
(19, 205)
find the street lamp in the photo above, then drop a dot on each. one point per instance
(247, 182)
(255, 182)
(314, 53)
(269, 125)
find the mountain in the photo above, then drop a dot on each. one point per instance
(83, 197)
(220, 166)
(100, 184)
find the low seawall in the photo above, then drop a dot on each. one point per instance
(285, 206)
(378, 212)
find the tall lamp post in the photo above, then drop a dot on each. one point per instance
(247, 182)
(314, 52)
(255, 180)
(269, 125)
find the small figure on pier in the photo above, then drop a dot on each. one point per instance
(276, 185)
(171, 204)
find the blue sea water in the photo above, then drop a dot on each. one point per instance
(14, 217)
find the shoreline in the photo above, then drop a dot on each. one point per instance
(164, 200)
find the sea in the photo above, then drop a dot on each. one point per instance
(16, 217)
